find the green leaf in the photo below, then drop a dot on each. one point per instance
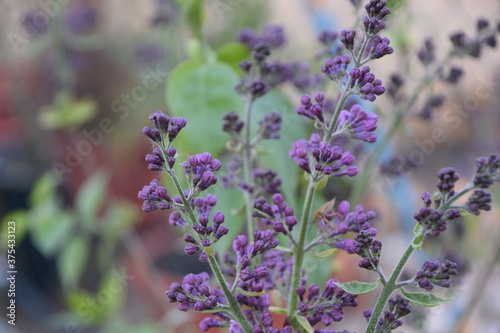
(67, 112)
(202, 93)
(20, 217)
(277, 310)
(44, 189)
(304, 323)
(72, 261)
(322, 183)
(50, 227)
(194, 12)
(417, 241)
(357, 287)
(417, 229)
(232, 54)
(209, 250)
(250, 293)
(324, 254)
(90, 198)
(275, 152)
(424, 299)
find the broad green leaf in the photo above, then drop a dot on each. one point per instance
(275, 152)
(306, 325)
(202, 93)
(43, 189)
(67, 112)
(324, 254)
(232, 54)
(72, 260)
(90, 197)
(424, 299)
(250, 293)
(357, 287)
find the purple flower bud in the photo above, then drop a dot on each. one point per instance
(191, 249)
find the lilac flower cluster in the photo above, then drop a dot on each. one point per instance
(357, 124)
(155, 197)
(336, 68)
(379, 47)
(327, 307)
(312, 110)
(377, 11)
(435, 273)
(271, 34)
(367, 248)
(487, 172)
(367, 86)
(343, 221)
(398, 308)
(200, 168)
(319, 157)
(485, 36)
(164, 127)
(434, 220)
(195, 293)
(279, 215)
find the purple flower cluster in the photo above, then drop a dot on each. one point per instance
(270, 126)
(245, 251)
(343, 221)
(479, 200)
(377, 11)
(487, 171)
(231, 123)
(485, 36)
(271, 34)
(368, 87)
(336, 68)
(195, 293)
(318, 156)
(357, 124)
(326, 307)
(207, 235)
(367, 248)
(435, 273)
(200, 168)
(279, 215)
(347, 37)
(312, 110)
(379, 47)
(398, 308)
(155, 197)
(434, 220)
(164, 127)
(427, 54)
(447, 179)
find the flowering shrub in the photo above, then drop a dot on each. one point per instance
(269, 255)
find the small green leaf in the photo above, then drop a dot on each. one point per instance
(424, 299)
(417, 229)
(195, 15)
(43, 189)
(250, 293)
(417, 241)
(357, 287)
(71, 262)
(306, 325)
(67, 112)
(232, 54)
(277, 310)
(322, 183)
(209, 250)
(324, 254)
(90, 197)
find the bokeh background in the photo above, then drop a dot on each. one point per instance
(77, 82)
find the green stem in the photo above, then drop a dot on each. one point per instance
(235, 308)
(345, 94)
(293, 303)
(387, 291)
(247, 165)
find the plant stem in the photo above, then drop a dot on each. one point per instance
(387, 291)
(247, 165)
(293, 302)
(235, 308)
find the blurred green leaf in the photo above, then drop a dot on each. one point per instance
(324, 254)
(250, 293)
(90, 198)
(232, 54)
(194, 11)
(230, 201)
(44, 189)
(50, 227)
(276, 151)
(67, 112)
(20, 217)
(424, 299)
(357, 287)
(202, 93)
(72, 260)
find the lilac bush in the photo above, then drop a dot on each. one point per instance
(269, 255)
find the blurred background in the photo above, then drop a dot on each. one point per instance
(78, 80)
